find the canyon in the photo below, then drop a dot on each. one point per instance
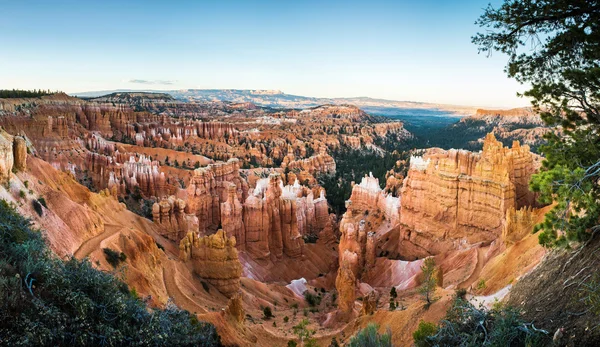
(219, 208)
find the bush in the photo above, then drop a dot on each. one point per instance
(312, 299)
(113, 257)
(466, 325)
(45, 301)
(286, 319)
(22, 194)
(369, 337)
(424, 331)
(267, 313)
(43, 202)
(37, 207)
(310, 238)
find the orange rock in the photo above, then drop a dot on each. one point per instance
(215, 259)
(451, 198)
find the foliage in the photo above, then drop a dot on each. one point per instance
(37, 207)
(466, 325)
(42, 201)
(311, 299)
(310, 238)
(45, 301)
(305, 335)
(425, 330)
(369, 337)
(267, 313)
(553, 46)
(589, 294)
(16, 93)
(113, 257)
(351, 166)
(427, 288)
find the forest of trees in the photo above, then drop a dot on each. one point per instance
(353, 165)
(16, 93)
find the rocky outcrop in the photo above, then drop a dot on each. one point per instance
(272, 220)
(169, 214)
(369, 304)
(232, 217)
(345, 284)
(13, 155)
(368, 195)
(454, 198)
(518, 223)
(209, 187)
(321, 163)
(234, 311)
(215, 259)
(19, 153)
(6, 157)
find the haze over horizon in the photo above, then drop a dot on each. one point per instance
(388, 50)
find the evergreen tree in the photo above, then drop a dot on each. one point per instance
(553, 45)
(427, 289)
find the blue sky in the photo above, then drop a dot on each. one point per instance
(401, 50)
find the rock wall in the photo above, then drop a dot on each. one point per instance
(215, 259)
(13, 155)
(321, 163)
(169, 214)
(368, 195)
(455, 198)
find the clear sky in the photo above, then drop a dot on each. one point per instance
(417, 50)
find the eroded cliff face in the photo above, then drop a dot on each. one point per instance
(215, 259)
(455, 198)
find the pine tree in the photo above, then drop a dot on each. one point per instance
(552, 45)
(427, 289)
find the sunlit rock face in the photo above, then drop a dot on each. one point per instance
(455, 198)
(209, 187)
(215, 259)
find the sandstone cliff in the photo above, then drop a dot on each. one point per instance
(215, 259)
(454, 198)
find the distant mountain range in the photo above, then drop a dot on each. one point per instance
(278, 99)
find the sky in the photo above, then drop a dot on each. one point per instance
(398, 50)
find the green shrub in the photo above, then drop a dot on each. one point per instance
(423, 332)
(46, 301)
(466, 325)
(312, 299)
(369, 337)
(113, 257)
(286, 319)
(37, 207)
(267, 313)
(42, 201)
(22, 194)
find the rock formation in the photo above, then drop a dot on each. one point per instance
(232, 217)
(215, 259)
(169, 214)
(6, 157)
(451, 198)
(19, 153)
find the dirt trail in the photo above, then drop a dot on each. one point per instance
(170, 273)
(94, 243)
(477, 272)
